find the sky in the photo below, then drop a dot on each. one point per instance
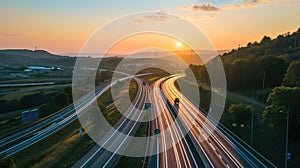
(65, 26)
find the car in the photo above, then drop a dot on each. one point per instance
(176, 101)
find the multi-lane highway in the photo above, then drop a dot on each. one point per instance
(187, 138)
(58, 116)
(117, 138)
(174, 149)
(217, 148)
(31, 135)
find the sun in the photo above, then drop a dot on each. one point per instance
(178, 44)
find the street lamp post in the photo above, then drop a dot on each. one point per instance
(286, 136)
(263, 82)
(252, 114)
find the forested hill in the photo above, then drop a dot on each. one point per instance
(260, 65)
(285, 44)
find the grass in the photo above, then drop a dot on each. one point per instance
(23, 91)
(11, 123)
(268, 141)
(133, 87)
(130, 162)
(57, 79)
(143, 130)
(110, 111)
(156, 74)
(135, 162)
(65, 147)
(42, 152)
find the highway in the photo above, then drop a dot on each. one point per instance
(99, 156)
(175, 150)
(217, 148)
(31, 135)
(204, 145)
(58, 116)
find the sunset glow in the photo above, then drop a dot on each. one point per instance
(56, 26)
(178, 44)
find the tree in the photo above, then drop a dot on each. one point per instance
(8, 162)
(62, 99)
(241, 113)
(32, 100)
(265, 40)
(284, 99)
(292, 76)
(274, 67)
(68, 91)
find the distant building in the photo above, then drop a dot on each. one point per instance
(31, 70)
(38, 69)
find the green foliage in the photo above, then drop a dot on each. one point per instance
(265, 39)
(8, 163)
(205, 97)
(68, 91)
(32, 100)
(248, 73)
(241, 113)
(200, 73)
(48, 108)
(284, 43)
(62, 99)
(262, 95)
(101, 77)
(285, 99)
(292, 76)
(257, 66)
(283, 96)
(26, 101)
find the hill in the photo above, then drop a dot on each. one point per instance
(285, 44)
(23, 58)
(259, 65)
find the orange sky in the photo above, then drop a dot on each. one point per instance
(64, 27)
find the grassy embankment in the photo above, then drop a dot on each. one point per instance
(137, 162)
(65, 147)
(266, 140)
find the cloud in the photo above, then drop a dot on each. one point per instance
(157, 17)
(202, 8)
(237, 6)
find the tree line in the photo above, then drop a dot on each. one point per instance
(272, 65)
(60, 98)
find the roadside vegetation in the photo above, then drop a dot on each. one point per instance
(156, 74)
(268, 71)
(65, 147)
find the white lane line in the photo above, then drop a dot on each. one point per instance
(211, 145)
(123, 141)
(209, 123)
(203, 151)
(116, 130)
(182, 148)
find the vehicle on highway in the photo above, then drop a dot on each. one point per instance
(176, 101)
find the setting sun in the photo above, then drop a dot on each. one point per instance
(178, 44)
